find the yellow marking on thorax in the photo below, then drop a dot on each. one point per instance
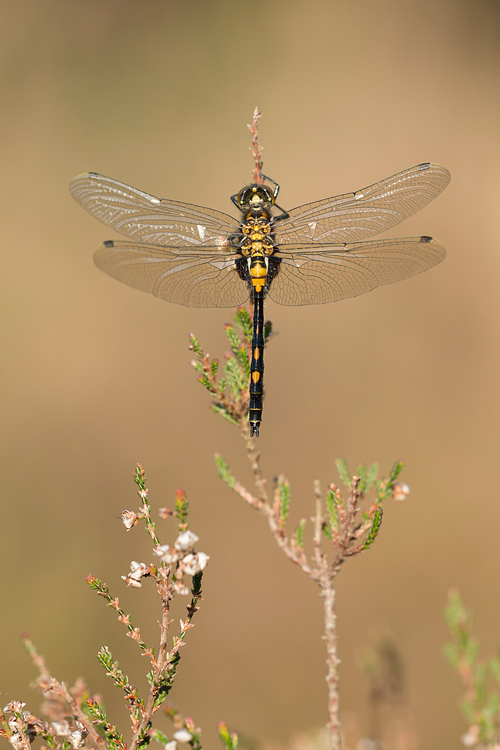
(257, 245)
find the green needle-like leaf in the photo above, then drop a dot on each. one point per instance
(284, 496)
(243, 360)
(224, 472)
(299, 533)
(332, 503)
(229, 739)
(234, 376)
(395, 472)
(343, 471)
(194, 345)
(375, 528)
(218, 409)
(244, 322)
(233, 338)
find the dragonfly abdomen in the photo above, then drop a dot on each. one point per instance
(257, 366)
(258, 246)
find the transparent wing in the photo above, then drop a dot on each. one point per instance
(374, 209)
(145, 218)
(312, 276)
(188, 277)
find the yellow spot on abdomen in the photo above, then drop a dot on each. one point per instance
(256, 353)
(255, 377)
(258, 272)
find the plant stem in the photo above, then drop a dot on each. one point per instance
(158, 668)
(327, 592)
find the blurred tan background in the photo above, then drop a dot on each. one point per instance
(96, 375)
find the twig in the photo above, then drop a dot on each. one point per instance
(256, 149)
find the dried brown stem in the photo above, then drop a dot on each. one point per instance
(327, 592)
(322, 571)
(49, 685)
(254, 459)
(158, 665)
(60, 689)
(256, 149)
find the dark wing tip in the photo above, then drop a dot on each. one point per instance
(424, 238)
(445, 173)
(109, 243)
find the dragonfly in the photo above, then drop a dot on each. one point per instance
(309, 255)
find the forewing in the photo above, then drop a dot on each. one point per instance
(145, 218)
(311, 277)
(369, 211)
(188, 277)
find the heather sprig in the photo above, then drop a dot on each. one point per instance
(480, 677)
(339, 531)
(230, 392)
(74, 715)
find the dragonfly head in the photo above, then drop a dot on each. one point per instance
(255, 198)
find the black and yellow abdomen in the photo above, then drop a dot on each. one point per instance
(257, 247)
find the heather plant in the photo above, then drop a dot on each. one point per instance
(480, 677)
(342, 526)
(346, 521)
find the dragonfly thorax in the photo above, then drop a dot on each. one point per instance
(257, 239)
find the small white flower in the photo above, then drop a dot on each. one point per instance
(61, 728)
(129, 519)
(137, 571)
(16, 741)
(172, 745)
(192, 564)
(400, 491)
(14, 707)
(472, 737)
(185, 540)
(181, 588)
(143, 494)
(167, 554)
(78, 737)
(12, 724)
(183, 736)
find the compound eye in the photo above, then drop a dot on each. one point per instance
(268, 195)
(245, 196)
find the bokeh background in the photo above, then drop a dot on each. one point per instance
(96, 376)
